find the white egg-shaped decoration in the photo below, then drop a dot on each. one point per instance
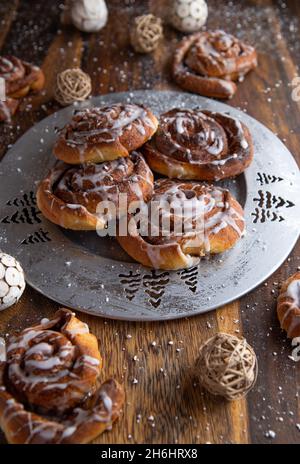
(12, 281)
(188, 15)
(89, 15)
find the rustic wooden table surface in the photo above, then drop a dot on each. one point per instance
(165, 390)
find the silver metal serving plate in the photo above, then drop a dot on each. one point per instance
(94, 275)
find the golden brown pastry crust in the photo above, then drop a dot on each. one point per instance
(199, 145)
(102, 134)
(288, 306)
(20, 77)
(69, 195)
(221, 226)
(208, 63)
(49, 385)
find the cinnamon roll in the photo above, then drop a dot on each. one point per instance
(20, 77)
(70, 195)
(200, 145)
(209, 63)
(101, 134)
(183, 222)
(49, 390)
(288, 306)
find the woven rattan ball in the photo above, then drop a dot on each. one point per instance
(72, 85)
(227, 366)
(146, 32)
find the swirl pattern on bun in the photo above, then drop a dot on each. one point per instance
(190, 220)
(209, 63)
(199, 145)
(20, 77)
(49, 390)
(102, 134)
(69, 196)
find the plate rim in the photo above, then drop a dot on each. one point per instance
(169, 316)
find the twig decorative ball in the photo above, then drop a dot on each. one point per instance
(227, 366)
(88, 15)
(12, 281)
(146, 33)
(188, 15)
(72, 85)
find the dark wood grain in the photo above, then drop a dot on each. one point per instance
(167, 388)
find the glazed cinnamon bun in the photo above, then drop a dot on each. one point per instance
(101, 134)
(183, 222)
(70, 195)
(288, 306)
(20, 77)
(209, 63)
(200, 145)
(49, 390)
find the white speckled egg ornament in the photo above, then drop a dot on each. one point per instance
(188, 15)
(12, 282)
(89, 15)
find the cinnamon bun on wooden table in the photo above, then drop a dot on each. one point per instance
(209, 63)
(288, 306)
(49, 391)
(200, 145)
(69, 195)
(20, 77)
(194, 220)
(101, 134)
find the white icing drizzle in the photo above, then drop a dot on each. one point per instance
(220, 50)
(203, 205)
(240, 136)
(54, 431)
(90, 360)
(22, 342)
(202, 214)
(221, 162)
(45, 364)
(198, 138)
(293, 292)
(45, 430)
(107, 402)
(45, 359)
(93, 363)
(106, 124)
(193, 126)
(244, 144)
(8, 68)
(68, 431)
(36, 350)
(85, 187)
(73, 206)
